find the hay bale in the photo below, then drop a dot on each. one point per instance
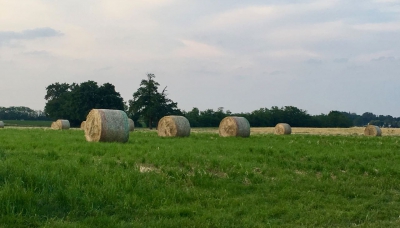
(283, 129)
(131, 125)
(83, 125)
(234, 126)
(60, 125)
(372, 130)
(107, 125)
(1, 124)
(170, 126)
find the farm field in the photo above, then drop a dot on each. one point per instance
(311, 131)
(54, 178)
(26, 123)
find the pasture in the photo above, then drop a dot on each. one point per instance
(54, 178)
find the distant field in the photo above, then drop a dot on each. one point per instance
(52, 178)
(26, 123)
(311, 131)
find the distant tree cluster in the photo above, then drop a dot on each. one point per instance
(21, 113)
(73, 102)
(295, 117)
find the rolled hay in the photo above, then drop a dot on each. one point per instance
(60, 125)
(173, 126)
(107, 125)
(83, 125)
(372, 130)
(234, 126)
(283, 129)
(1, 124)
(131, 125)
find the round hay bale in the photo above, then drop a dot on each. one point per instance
(131, 125)
(170, 126)
(234, 126)
(107, 125)
(83, 125)
(1, 124)
(372, 130)
(283, 129)
(60, 125)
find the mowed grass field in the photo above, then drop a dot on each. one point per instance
(54, 178)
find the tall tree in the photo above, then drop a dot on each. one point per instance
(150, 104)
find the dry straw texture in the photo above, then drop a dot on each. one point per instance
(60, 125)
(283, 129)
(372, 130)
(106, 125)
(1, 124)
(83, 124)
(234, 126)
(170, 126)
(131, 125)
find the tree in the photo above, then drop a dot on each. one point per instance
(150, 104)
(73, 102)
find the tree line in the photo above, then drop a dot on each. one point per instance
(294, 116)
(21, 113)
(148, 105)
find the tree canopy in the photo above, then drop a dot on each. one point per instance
(151, 105)
(73, 102)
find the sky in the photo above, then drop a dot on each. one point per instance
(316, 55)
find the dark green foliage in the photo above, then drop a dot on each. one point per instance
(21, 113)
(57, 179)
(151, 105)
(73, 102)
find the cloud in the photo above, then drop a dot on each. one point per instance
(383, 58)
(7, 36)
(341, 60)
(314, 61)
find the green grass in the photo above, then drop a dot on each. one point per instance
(27, 123)
(57, 179)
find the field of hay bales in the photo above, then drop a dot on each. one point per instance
(312, 178)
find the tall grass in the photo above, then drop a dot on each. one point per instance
(57, 179)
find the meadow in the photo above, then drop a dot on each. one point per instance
(54, 178)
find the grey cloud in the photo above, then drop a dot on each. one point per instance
(314, 61)
(277, 72)
(341, 60)
(30, 34)
(383, 58)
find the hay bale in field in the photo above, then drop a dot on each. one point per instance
(131, 125)
(283, 129)
(107, 125)
(60, 125)
(234, 126)
(372, 130)
(170, 126)
(83, 125)
(1, 124)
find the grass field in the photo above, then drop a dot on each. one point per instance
(26, 123)
(57, 179)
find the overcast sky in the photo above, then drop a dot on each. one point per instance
(317, 55)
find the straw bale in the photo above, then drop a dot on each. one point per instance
(234, 126)
(60, 125)
(1, 124)
(107, 125)
(83, 125)
(170, 126)
(283, 129)
(372, 130)
(131, 125)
